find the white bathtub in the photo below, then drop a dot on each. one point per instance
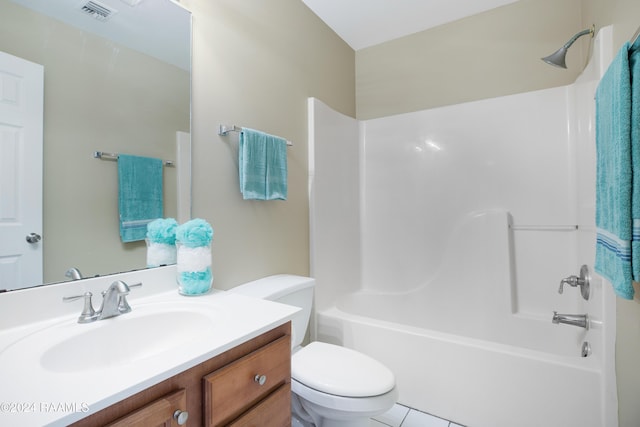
(470, 381)
(460, 351)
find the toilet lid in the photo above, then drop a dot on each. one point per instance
(340, 371)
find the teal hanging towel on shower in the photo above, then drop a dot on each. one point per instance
(614, 176)
(139, 195)
(634, 66)
(262, 166)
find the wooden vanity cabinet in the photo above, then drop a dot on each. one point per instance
(248, 385)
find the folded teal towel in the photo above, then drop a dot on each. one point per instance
(634, 66)
(139, 195)
(262, 163)
(614, 175)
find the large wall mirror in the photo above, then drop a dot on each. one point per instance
(116, 80)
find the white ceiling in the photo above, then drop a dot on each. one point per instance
(364, 23)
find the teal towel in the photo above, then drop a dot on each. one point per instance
(614, 175)
(262, 163)
(634, 65)
(139, 195)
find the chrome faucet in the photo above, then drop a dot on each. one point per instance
(114, 302)
(581, 320)
(73, 274)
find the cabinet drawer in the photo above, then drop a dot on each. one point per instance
(231, 390)
(157, 413)
(274, 411)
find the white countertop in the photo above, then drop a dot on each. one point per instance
(33, 395)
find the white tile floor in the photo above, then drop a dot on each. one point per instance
(402, 416)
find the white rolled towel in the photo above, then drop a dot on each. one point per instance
(193, 259)
(160, 254)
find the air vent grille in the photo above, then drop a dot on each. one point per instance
(97, 10)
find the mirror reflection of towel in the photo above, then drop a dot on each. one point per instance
(139, 195)
(262, 160)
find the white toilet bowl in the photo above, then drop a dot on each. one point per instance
(331, 386)
(334, 386)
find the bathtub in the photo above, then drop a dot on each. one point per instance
(469, 356)
(438, 239)
(470, 381)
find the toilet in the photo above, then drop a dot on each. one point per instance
(331, 386)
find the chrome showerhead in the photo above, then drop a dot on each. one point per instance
(557, 58)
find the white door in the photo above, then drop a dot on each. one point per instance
(21, 126)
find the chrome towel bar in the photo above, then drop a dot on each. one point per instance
(223, 130)
(114, 156)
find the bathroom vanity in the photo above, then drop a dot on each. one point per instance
(222, 358)
(248, 383)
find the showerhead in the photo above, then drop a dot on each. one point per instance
(557, 58)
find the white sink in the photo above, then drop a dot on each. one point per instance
(146, 332)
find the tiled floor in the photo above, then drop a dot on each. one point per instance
(401, 416)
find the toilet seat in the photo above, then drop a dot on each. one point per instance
(340, 371)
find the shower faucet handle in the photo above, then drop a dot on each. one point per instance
(583, 281)
(571, 281)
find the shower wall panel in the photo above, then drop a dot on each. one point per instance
(425, 171)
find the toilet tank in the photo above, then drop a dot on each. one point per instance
(286, 289)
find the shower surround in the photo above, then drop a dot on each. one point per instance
(438, 242)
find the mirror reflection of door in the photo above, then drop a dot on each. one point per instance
(21, 124)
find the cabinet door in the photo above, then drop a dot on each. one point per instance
(157, 413)
(274, 411)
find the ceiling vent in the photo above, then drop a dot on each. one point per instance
(97, 10)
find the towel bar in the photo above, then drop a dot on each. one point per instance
(223, 130)
(114, 156)
(635, 36)
(532, 227)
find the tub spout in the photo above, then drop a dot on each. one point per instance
(581, 320)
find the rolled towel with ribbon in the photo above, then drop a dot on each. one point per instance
(193, 242)
(161, 242)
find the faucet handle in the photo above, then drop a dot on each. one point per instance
(582, 281)
(123, 304)
(88, 313)
(571, 281)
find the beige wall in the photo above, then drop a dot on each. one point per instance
(254, 65)
(99, 96)
(491, 54)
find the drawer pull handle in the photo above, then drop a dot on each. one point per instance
(260, 379)
(181, 417)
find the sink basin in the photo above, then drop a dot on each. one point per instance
(144, 333)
